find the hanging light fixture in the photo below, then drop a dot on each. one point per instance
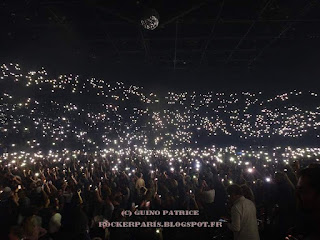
(150, 19)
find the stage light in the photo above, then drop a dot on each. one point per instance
(150, 19)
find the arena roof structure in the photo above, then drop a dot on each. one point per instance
(193, 35)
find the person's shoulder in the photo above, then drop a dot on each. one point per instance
(247, 200)
(240, 202)
(249, 203)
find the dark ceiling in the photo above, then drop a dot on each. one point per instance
(231, 38)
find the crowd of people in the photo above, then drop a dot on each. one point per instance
(76, 152)
(67, 197)
(40, 111)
